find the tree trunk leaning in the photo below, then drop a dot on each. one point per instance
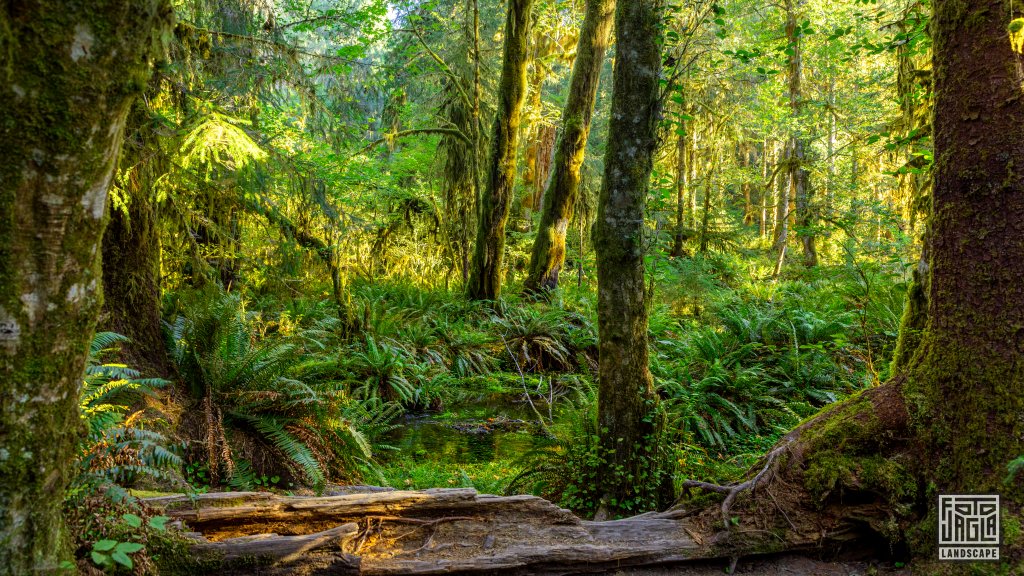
(548, 254)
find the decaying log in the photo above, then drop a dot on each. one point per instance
(444, 531)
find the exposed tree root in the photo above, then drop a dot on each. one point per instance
(732, 491)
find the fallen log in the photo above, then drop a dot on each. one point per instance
(444, 531)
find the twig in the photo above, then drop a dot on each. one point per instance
(522, 380)
(781, 509)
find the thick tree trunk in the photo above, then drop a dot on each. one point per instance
(970, 354)
(458, 174)
(548, 254)
(486, 273)
(70, 71)
(626, 400)
(131, 255)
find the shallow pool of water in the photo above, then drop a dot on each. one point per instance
(484, 429)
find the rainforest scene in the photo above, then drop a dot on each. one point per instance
(512, 287)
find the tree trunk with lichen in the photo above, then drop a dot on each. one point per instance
(796, 158)
(548, 255)
(682, 185)
(131, 253)
(70, 72)
(627, 403)
(486, 273)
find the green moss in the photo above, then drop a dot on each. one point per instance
(831, 470)
(1013, 529)
(847, 426)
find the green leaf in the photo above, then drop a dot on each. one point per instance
(104, 545)
(132, 520)
(99, 559)
(122, 559)
(129, 547)
(159, 522)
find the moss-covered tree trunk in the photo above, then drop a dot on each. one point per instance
(972, 350)
(131, 253)
(796, 159)
(626, 399)
(549, 246)
(70, 71)
(682, 184)
(495, 201)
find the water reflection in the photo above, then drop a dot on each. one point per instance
(484, 430)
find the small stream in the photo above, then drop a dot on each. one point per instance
(482, 429)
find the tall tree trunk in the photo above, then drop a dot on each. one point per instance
(487, 269)
(970, 354)
(780, 185)
(705, 214)
(796, 160)
(131, 254)
(70, 72)
(534, 126)
(682, 184)
(626, 400)
(458, 170)
(765, 190)
(548, 255)
(746, 160)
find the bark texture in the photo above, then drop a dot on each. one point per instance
(548, 254)
(485, 277)
(131, 254)
(443, 531)
(970, 353)
(796, 152)
(682, 184)
(626, 399)
(70, 72)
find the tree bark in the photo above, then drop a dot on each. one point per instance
(71, 71)
(548, 255)
(131, 254)
(682, 185)
(799, 176)
(626, 399)
(486, 273)
(970, 354)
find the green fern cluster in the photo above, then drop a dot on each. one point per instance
(756, 369)
(118, 447)
(258, 414)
